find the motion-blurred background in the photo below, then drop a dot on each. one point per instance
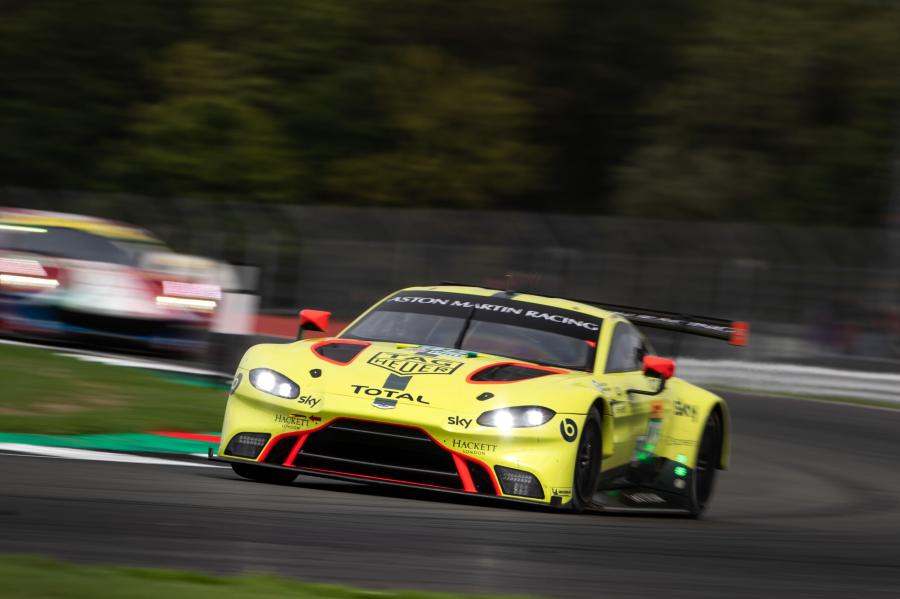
(722, 157)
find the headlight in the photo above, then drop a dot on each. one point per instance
(274, 383)
(518, 417)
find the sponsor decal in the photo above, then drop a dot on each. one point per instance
(309, 400)
(410, 364)
(685, 409)
(568, 429)
(562, 491)
(296, 421)
(435, 352)
(473, 447)
(488, 307)
(685, 442)
(384, 404)
(387, 393)
(645, 498)
(459, 421)
(398, 383)
(235, 383)
(601, 387)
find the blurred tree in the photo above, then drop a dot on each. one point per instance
(321, 60)
(604, 62)
(784, 111)
(703, 108)
(69, 76)
(206, 137)
(457, 138)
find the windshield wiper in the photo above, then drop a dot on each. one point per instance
(465, 329)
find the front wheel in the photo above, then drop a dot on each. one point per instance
(261, 474)
(587, 463)
(708, 457)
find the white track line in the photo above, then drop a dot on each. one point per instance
(95, 456)
(116, 359)
(139, 363)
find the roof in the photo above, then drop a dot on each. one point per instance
(89, 224)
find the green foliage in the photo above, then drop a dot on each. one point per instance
(206, 137)
(784, 111)
(69, 75)
(781, 111)
(457, 137)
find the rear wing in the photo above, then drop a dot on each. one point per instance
(736, 332)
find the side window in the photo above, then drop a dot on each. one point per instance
(627, 350)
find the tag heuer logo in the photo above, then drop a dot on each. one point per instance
(409, 364)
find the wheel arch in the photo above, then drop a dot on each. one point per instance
(607, 434)
(706, 403)
(725, 449)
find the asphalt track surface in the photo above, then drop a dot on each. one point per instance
(810, 508)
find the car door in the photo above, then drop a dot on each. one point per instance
(637, 417)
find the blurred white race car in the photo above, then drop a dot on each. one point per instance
(65, 276)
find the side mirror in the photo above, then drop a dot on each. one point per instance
(661, 368)
(657, 368)
(313, 320)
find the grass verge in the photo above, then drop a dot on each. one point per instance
(38, 578)
(45, 393)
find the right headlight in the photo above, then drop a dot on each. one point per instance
(516, 417)
(274, 383)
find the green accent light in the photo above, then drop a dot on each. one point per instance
(681, 458)
(642, 456)
(680, 471)
(472, 354)
(649, 447)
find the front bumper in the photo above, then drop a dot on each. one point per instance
(410, 446)
(400, 485)
(44, 320)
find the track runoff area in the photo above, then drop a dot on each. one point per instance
(809, 508)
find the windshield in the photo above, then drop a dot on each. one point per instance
(491, 325)
(73, 244)
(136, 250)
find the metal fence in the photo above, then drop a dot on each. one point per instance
(833, 287)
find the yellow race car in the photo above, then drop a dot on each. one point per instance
(485, 392)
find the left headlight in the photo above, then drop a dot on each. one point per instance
(274, 383)
(517, 417)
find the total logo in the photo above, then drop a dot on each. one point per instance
(386, 393)
(309, 400)
(459, 421)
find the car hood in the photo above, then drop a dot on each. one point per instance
(428, 377)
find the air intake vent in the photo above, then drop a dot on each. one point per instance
(379, 450)
(480, 478)
(510, 372)
(339, 352)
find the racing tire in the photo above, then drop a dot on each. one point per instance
(587, 463)
(708, 456)
(261, 474)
